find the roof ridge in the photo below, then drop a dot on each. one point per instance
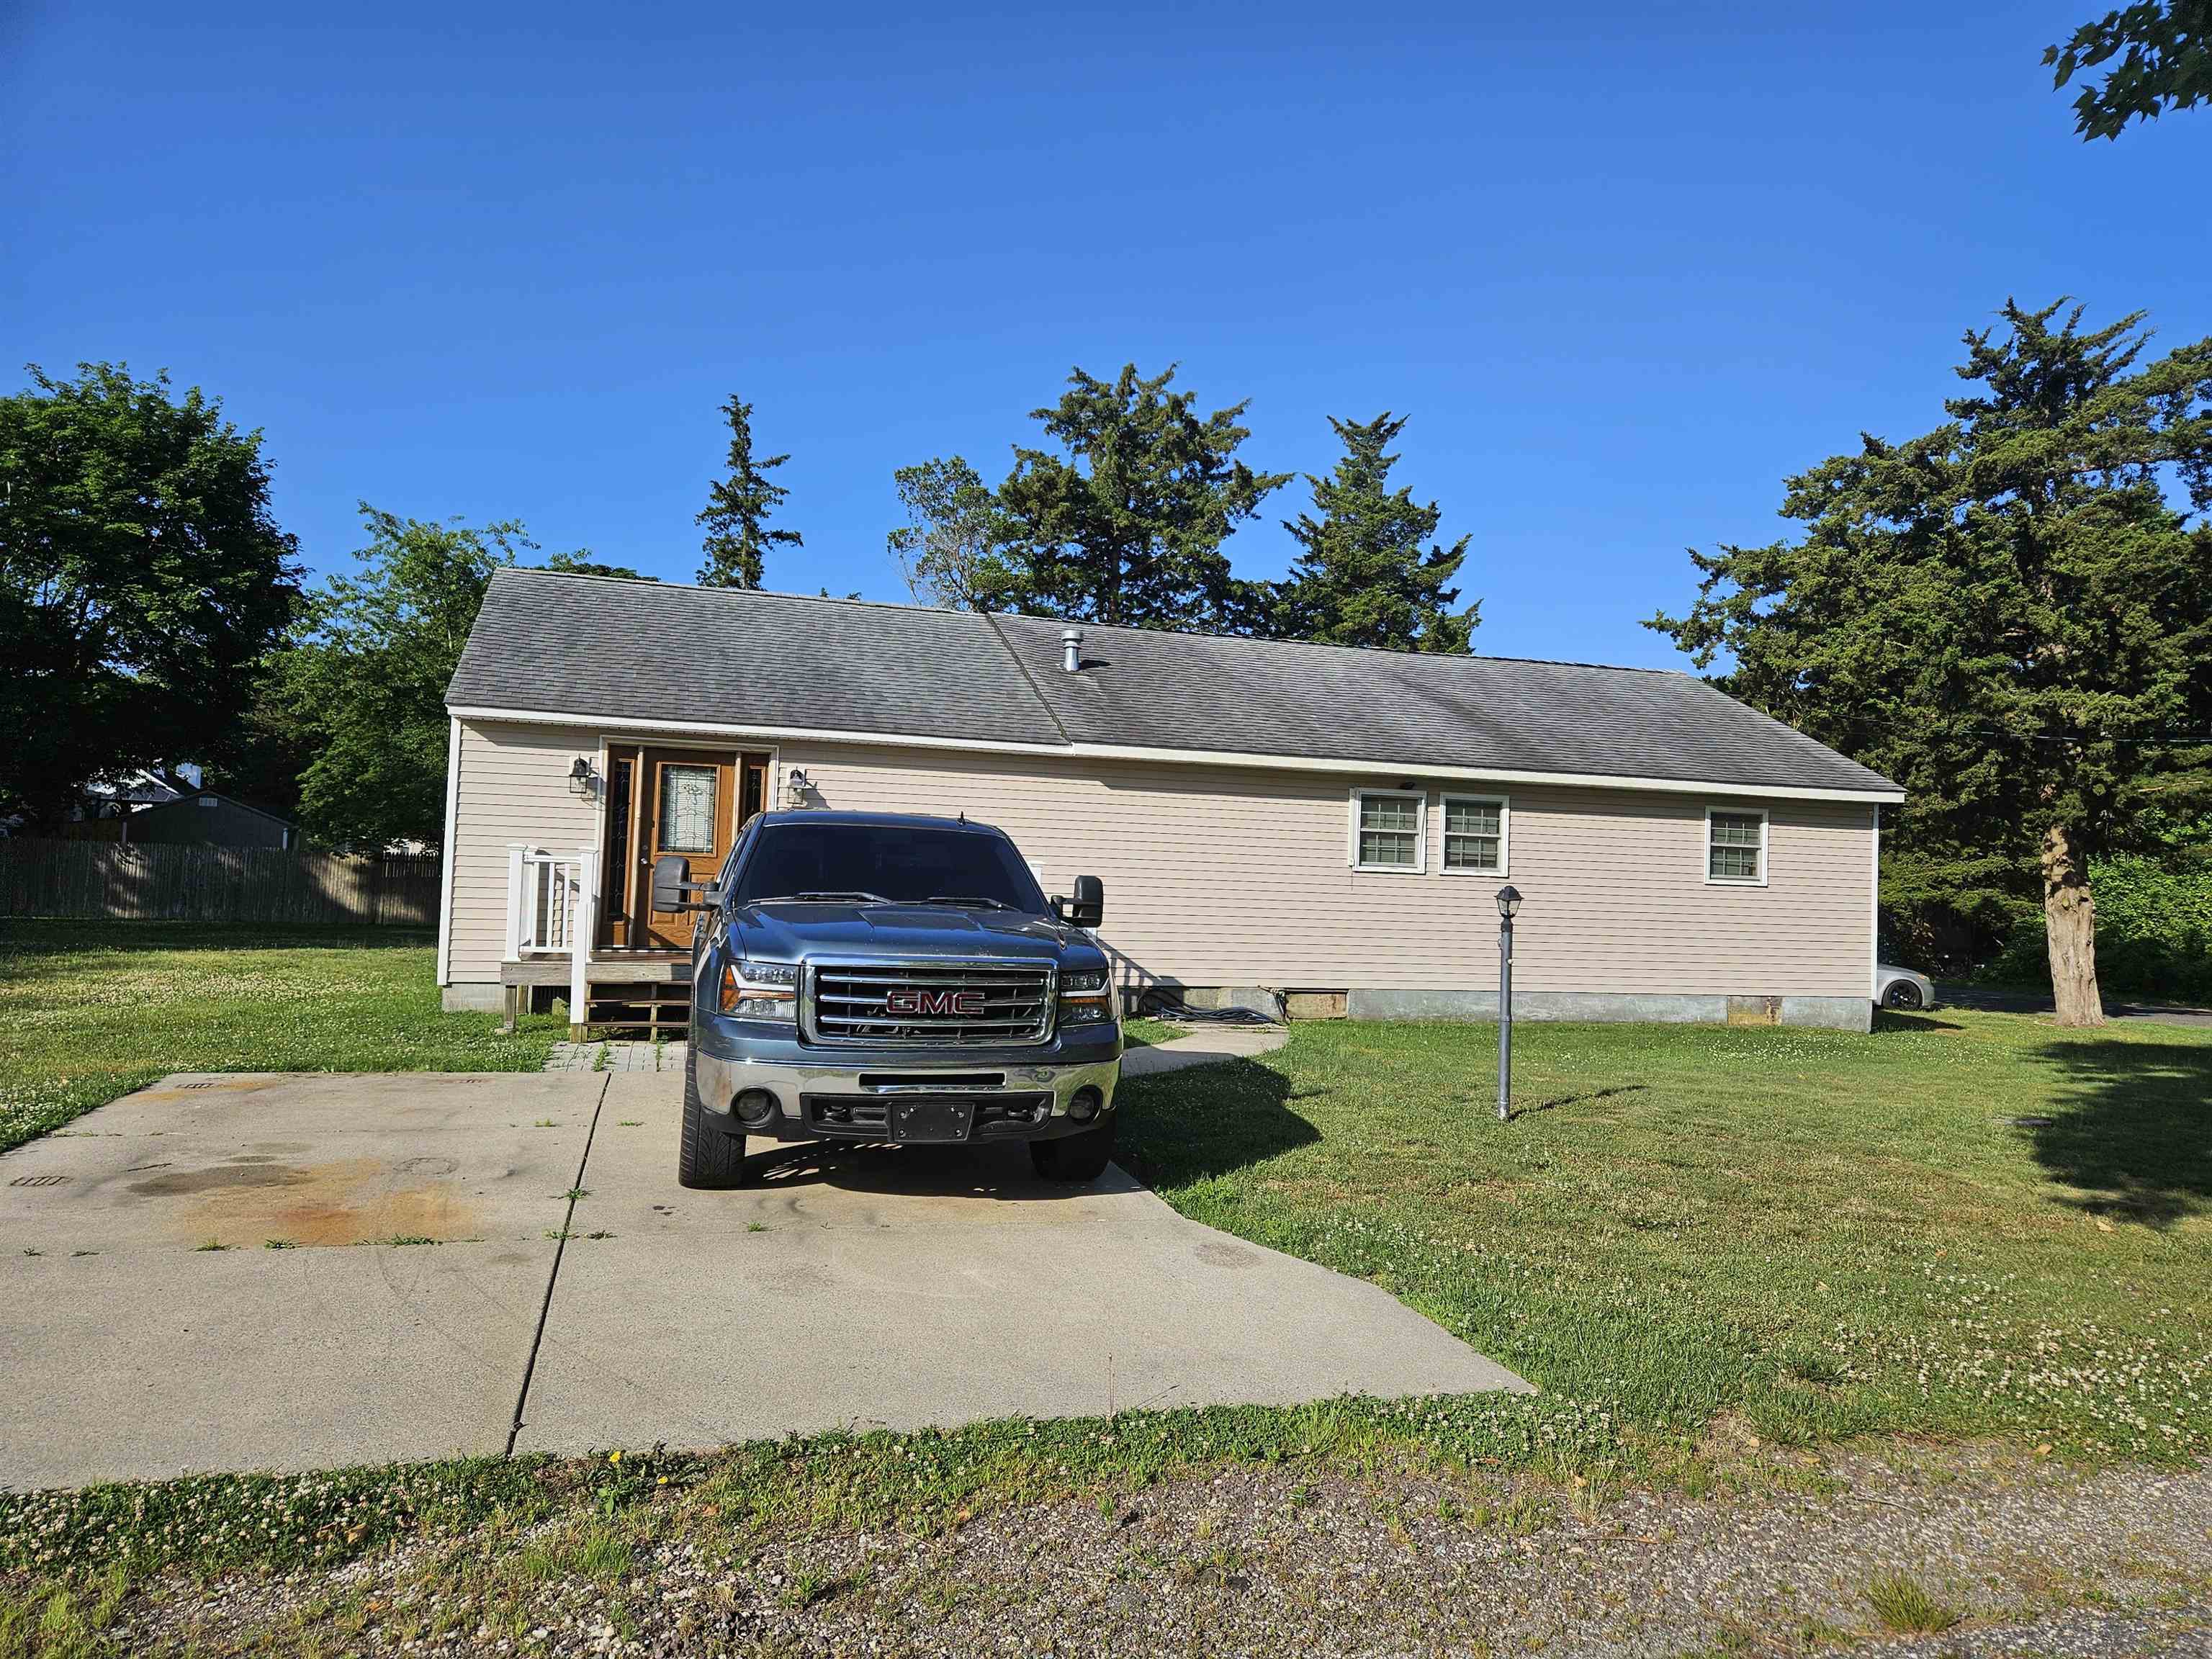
(709, 587)
(1065, 621)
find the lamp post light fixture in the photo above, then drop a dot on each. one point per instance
(1509, 903)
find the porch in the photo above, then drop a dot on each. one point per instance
(580, 920)
(555, 949)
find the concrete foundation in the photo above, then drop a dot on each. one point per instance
(473, 999)
(1836, 1013)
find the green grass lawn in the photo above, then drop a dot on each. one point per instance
(1820, 1233)
(1706, 1246)
(89, 1011)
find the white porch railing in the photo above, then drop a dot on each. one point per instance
(552, 909)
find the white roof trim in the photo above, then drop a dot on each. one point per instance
(1184, 756)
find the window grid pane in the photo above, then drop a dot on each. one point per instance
(1735, 845)
(1386, 847)
(1388, 812)
(1470, 852)
(1473, 834)
(1470, 817)
(1389, 832)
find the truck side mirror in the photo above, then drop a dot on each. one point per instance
(671, 876)
(1087, 908)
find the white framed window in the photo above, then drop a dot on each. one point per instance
(1389, 829)
(1475, 828)
(1735, 846)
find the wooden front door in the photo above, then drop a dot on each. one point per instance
(689, 802)
(689, 810)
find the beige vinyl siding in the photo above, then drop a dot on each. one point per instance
(1236, 875)
(512, 787)
(1233, 876)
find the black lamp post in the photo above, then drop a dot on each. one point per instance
(1509, 901)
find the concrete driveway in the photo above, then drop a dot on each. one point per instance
(857, 1286)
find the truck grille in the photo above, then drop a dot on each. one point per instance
(964, 1003)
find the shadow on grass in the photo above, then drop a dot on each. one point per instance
(2133, 1128)
(1582, 1099)
(1181, 1127)
(1888, 1019)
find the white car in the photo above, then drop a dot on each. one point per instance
(1901, 987)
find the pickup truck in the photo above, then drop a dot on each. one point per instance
(867, 976)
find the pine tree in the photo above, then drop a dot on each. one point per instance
(1364, 578)
(738, 508)
(2010, 615)
(1126, 527)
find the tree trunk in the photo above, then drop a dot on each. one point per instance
(2069, 924)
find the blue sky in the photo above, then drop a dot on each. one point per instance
(1624, 271)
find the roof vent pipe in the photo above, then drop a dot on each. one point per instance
(1071, 649)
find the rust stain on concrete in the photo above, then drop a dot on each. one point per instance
(245, 1202)
(198, 1088)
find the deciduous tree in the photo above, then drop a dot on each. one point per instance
(1364, 578)
(2165, 49)
(2011, 615)
(1125, 525)
(142, 573)
(737, 509)
(948, 549)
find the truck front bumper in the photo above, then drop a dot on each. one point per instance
(900, 1094)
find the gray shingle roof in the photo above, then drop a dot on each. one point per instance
(610, 650)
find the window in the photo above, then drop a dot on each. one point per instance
(687, 809)
(1735, 848)
(1389, 827)
(1474, 835)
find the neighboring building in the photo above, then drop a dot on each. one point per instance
(1302, 817)
(210, 818)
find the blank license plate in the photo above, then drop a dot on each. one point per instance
(931, 1119)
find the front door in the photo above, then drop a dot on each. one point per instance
(689, 808)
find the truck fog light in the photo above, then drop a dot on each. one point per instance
(755, 1106)
(1085, 1105)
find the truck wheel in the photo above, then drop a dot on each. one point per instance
(1075, 1158)
(705, 1158)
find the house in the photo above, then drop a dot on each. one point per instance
(209, 818)
(1325, 822)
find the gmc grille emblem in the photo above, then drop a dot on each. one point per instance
(967, 1004)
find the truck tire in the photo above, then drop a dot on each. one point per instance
(705, 1158)
(1076, 1159)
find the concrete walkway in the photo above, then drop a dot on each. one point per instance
(289, 1272)
(1203, 1045)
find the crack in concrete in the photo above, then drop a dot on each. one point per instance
(560, 1250)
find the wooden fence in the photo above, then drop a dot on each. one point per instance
(187, 883)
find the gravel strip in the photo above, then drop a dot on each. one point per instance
(2031, 1559)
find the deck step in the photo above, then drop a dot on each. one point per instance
(637, 1008)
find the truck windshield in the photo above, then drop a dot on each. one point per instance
(903, 864)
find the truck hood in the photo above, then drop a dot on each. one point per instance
(787, 933)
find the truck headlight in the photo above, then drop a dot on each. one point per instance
(760, 990)
(1085, 999)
